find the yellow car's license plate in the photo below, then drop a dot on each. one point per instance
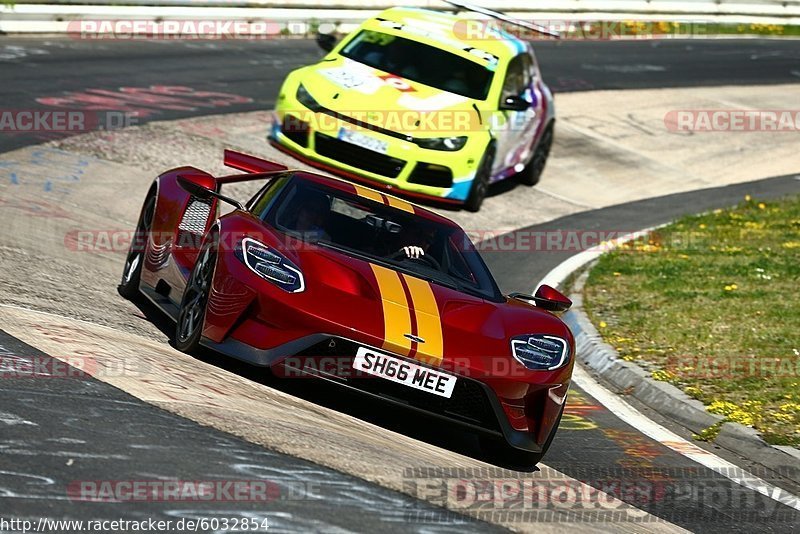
(364, 141)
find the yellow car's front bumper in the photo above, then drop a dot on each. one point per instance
(400, 164)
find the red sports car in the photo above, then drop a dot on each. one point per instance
(319, 276)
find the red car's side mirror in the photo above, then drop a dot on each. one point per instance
(551, 299)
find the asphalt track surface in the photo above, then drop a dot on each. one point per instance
(34, 69)
(77, 428)
(50, 446)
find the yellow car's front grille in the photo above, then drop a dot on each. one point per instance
(356, 156)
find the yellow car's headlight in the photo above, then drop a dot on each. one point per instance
(449, 144)
(305, 98)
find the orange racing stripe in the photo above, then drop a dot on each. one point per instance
(369, 193)
(400, 204)
(429, 323)
(396, 312)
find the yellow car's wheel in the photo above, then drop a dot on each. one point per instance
(533, 171)
(480, 184)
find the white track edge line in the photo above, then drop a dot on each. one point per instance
(642, 423)
(669, 439)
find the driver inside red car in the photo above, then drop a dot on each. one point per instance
(418, 242)
(312, 216)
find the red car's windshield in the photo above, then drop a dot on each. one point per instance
(381, 234)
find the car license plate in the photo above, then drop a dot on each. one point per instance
(403, 372)
(364, 141)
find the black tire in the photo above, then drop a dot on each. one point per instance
(129, 283)
(480, 185)
(192, 313)
(501, 452)
(533, 170)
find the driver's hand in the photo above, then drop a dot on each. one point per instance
(413, 252)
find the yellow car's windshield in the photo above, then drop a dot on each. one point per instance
(421, 63)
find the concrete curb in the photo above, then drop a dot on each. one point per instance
(628, 378)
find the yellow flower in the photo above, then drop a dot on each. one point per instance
(692, 391)
(603, 324)
(761, 205)
(662, 376)
(731, 287)
(747, 414)
(748, 198)
(617, 274)
(791, 244)
(702, 226)
(782, 417)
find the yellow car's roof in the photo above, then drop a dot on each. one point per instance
(454, 33)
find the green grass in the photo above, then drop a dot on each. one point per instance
(753, 29)
(710, 304)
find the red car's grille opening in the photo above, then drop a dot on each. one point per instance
(359, 157)
(193, 222)
(332, 360)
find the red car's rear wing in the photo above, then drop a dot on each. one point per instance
(250, 165)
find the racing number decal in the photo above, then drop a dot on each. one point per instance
(397, 319)
(398, 83)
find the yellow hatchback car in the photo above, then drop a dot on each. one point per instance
(425, 103)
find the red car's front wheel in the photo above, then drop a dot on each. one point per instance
(193, 304)
(129, 284)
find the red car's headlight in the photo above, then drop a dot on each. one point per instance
(540, 352)
(271, 265)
